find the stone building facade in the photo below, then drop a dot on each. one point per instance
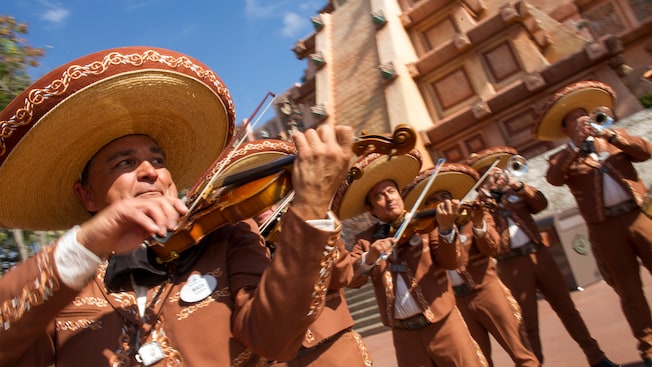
(468, 75)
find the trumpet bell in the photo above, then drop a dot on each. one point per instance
(601, 118)
(516, 165)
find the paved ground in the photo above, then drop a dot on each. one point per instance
(600, 308)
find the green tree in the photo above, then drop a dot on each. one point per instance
(16, 55)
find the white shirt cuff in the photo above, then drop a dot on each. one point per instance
(76, 264)
(324, 224)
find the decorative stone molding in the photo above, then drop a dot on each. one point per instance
(319, 111)
(317, 58)
(509, 14)
(480, 109)
(595, 50)
(387, 71)
(534, 81)
(462, 41)
(379, 19)
(317, 23)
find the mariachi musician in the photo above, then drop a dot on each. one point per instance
(330, 340)
(597, 165)
(412, 290)
(524, 261)
(107, 139)
(485, 303)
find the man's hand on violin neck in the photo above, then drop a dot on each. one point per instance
(322, 163)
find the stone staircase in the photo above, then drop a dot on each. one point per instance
(364, 310)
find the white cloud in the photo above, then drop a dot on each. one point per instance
(293, 23)
(54, 13)
(293, 14)
(256, 9)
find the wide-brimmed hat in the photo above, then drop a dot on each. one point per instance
(52, 129)
(455, 178)
(481, 160)
(587, 94)
(349, 201)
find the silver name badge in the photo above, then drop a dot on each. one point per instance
(150, 353)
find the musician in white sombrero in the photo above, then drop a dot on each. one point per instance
(412, 290)
(98, 148)
(485, 303)
(597, 165)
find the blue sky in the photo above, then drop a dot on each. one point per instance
(248, 43)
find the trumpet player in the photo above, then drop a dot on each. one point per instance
(596, 165)
(524, 262)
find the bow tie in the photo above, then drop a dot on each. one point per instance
(588, 146)
(141, 264)
(383, 231)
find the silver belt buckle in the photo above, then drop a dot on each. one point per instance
(150, 353)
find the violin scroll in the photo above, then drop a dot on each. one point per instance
(401, 142)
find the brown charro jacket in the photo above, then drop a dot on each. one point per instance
(425, 260)
(582, 173)
(519, 206)
(477, 268)
(257, 307)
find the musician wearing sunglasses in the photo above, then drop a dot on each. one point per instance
(525, 263)
(597, 166)
(485, 303)
(413, 294)
(99, 147)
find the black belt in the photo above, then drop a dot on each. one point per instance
(462, 290)
(528, 248)
(329, 339)
(412, 323)
(620, 209)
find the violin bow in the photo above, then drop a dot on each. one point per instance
(472, 194)
(208, 186)
(413, 210)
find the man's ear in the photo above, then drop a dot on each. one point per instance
(369, 210)
(85, 196)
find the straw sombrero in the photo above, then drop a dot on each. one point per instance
(588, 95)
(349, 201)
(51, 130)
(482, 160)
(455, 178)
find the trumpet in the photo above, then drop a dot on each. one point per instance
(601, 118)
(516, 165)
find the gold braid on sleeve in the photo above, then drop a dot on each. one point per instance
(330, 255)
(33, 293)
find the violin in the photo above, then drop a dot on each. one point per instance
(218, 199)
(270, 227)
(425, 220)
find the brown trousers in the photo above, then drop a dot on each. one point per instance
(491, 310)
(524, 275)
(446, 343)
(346, 349)
(618, 244)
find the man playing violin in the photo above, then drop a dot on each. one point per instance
(598, 166)
(412, 290)
(330, 340)
(487, 306)
(524, 262)
(122, 120)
